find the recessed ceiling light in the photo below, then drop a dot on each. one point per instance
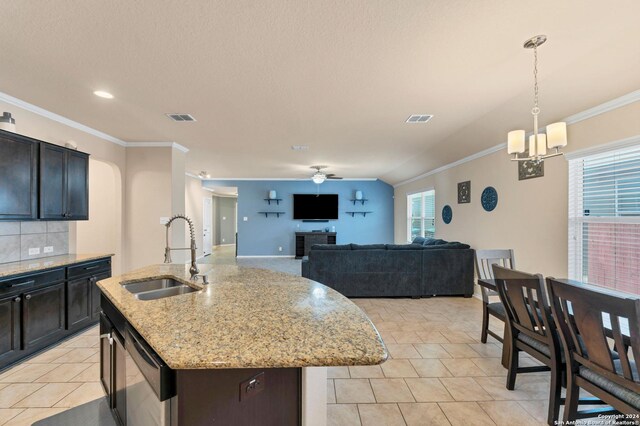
(103, 94)
(419, 118)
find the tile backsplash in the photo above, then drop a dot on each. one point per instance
(18, 239)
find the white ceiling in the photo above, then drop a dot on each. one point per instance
(339, 76)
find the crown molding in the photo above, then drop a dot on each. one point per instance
(292, 179)
(472, 157)
(157, 145)
(616, 103)
(611, 105)
(86, 129)
(60, 119)
(632, 141)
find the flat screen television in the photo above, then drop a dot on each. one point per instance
(315, 207)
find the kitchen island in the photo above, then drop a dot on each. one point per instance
(250, 347)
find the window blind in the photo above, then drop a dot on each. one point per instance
(421, 217)
(604, 219)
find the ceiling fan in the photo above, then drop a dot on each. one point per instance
(319, 176)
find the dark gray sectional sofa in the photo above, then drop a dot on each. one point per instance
(425, 268)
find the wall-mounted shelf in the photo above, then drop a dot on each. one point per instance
(354, 201)
(266, 214)
(277, 200)
(364, 214)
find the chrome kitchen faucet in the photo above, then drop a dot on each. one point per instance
(167, 251)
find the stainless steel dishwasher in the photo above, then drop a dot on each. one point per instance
(150, 384)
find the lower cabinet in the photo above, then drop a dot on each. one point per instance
(113, 368)
(43, 316)
(10, 327)
(78, 303)
(39, 309)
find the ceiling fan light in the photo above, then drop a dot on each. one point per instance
(318, 178)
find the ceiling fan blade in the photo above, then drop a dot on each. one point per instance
(334, 177)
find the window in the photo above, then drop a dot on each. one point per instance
(604, 219)
(421, 215)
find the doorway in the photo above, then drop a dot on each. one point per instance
(207, 225)
(224, 223)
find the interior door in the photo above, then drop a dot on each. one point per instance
(207, 221)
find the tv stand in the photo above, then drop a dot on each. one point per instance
(304, 241)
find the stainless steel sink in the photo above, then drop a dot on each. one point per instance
(165, 292)
(143, 286)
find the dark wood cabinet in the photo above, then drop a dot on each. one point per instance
(77, 190)
(304, 241)
(40, 308)
(95, 294)
(43, 315)
(113, 368)
(39, 180)
(10, 327)
(106, 330)
(18, 177)
(78, 303)
(64, 187)
(119, 392)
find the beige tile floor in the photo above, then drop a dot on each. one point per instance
(438, 372)
(60, 378)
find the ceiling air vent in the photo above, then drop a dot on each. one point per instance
(419, 118)
(181, 117)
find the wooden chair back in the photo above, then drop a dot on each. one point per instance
(596, 317)
(485, 259)
(525, 301)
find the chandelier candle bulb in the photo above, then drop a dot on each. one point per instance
(515, 142)
(557, 135)
(540, 148)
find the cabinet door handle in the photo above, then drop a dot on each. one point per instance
(88, 268)
(28, 296)
(23, 283)
(17, 299)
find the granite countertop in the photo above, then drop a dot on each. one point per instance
(34, 265)
(248, 318)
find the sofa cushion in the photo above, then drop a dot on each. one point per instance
(433, 242)
(331, 247)
(404, 247)
(367, 247)
(419, 240)
(448, 246)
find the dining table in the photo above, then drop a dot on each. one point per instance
(490, 284)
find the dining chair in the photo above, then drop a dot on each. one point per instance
(591, 325)
(484, 261)
(532, 330)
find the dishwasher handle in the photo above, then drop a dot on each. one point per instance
(160, 377)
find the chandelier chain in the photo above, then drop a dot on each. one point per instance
(536, 109)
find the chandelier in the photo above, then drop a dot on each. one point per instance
(556, 133)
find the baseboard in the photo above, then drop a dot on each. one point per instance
(266, 256)
(225, 245)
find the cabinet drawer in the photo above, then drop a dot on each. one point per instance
(30, 281)
(89, 268)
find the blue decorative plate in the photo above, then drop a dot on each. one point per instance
(489, 198)
(447, 214)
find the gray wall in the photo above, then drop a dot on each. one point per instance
(16, 238)
(225, 218)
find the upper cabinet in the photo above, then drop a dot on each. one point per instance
(64, 189)
(39, 180)
(18, 177)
